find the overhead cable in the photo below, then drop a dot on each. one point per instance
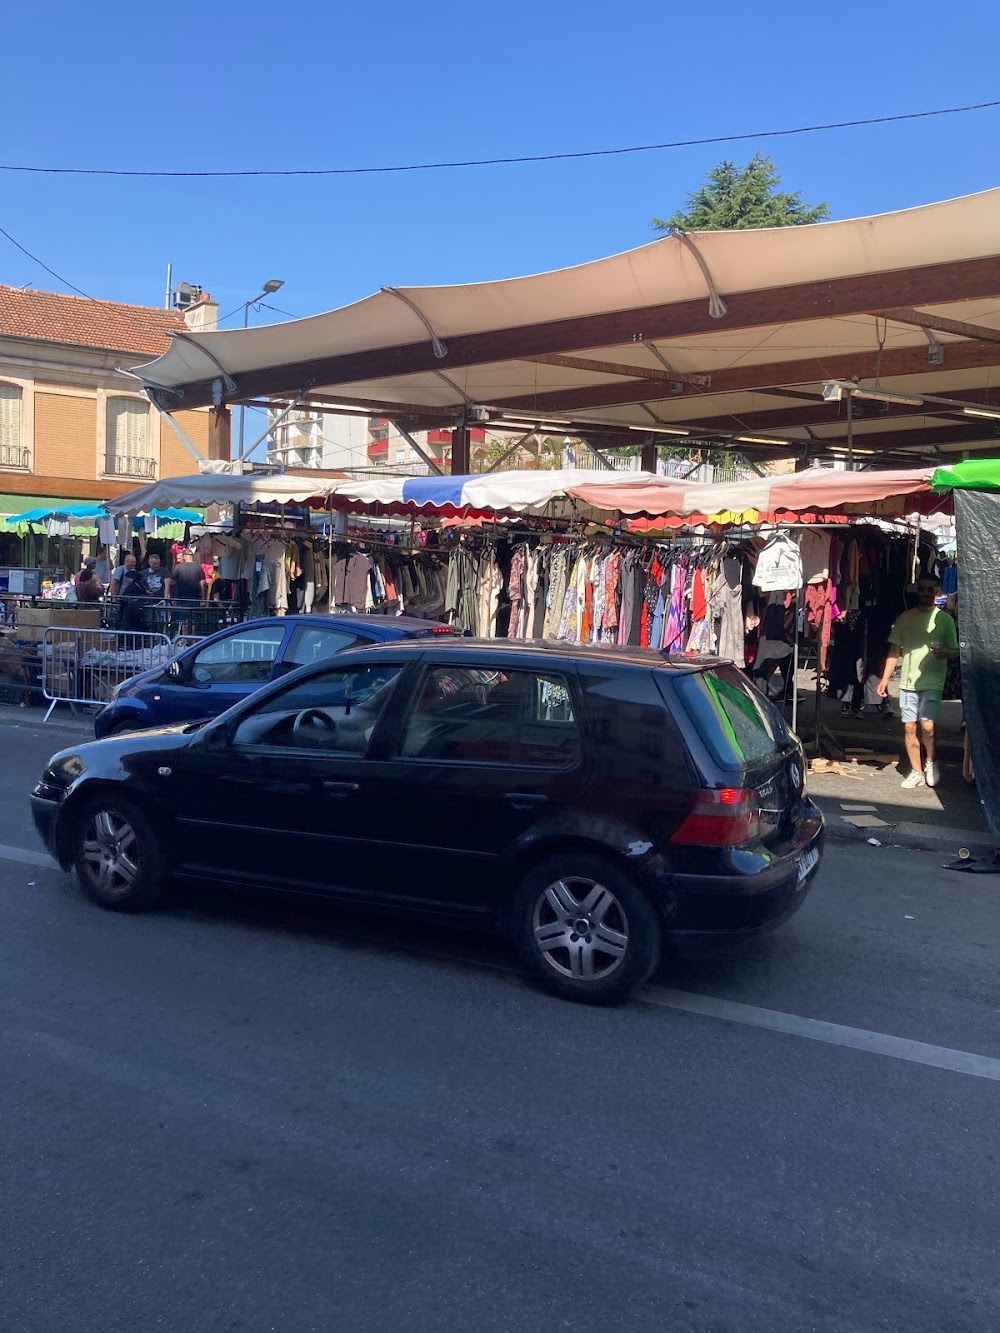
(501, 161)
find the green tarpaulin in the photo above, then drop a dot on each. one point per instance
(17, 504)
(976, 474)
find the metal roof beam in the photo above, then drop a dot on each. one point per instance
(620, 368)
(772, 374)
(922, 319)
(821, 413)
(919, 439)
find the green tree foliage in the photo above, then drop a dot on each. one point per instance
(733, 198)
(541, 452)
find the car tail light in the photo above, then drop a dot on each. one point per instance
(721, 817)
(442, 629)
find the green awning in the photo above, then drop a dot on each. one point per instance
(20, 504)
(975, 474)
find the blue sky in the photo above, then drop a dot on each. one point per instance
(216, 84)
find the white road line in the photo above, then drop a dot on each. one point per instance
(24, 856)
(860, 1039)
(878, 1043)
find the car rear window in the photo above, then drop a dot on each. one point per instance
(735, 721)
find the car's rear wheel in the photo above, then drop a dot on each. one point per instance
(584, 929)
(118, 859)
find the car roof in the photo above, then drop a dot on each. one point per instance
(552, 650)
(406, 624)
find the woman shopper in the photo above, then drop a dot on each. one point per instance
(89, 587)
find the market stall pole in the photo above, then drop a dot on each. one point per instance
(795, 642)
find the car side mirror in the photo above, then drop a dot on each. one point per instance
(217, 736)
(175, 669)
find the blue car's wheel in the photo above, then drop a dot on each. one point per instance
(122, 728)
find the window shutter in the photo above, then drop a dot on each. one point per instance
(10, 416)
(128, 429)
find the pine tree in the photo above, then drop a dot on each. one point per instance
(734, 198)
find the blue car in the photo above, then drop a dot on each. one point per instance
(211, 676)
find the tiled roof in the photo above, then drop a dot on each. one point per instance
(53, 317)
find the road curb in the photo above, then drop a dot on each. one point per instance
(916, 837)
(35, 721)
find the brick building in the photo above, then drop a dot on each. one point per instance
(72, 428)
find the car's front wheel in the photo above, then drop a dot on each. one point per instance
(117, 856)
(585, 930)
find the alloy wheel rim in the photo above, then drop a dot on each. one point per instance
(580, 929)
(111, 852)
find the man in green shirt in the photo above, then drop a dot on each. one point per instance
(927, 640)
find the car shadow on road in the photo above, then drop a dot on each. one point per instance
(343, 925)
(364, 928)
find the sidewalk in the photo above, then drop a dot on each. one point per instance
(63, 720)
(865, 800)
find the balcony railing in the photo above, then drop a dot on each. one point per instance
(129, 465)
(15, 456)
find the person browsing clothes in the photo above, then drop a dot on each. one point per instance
(187, 580)
(87, 573)
(154, 577)
(127, 566)
(926, 639)
(89, 587)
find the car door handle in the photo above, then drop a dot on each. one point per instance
(524, 800)
(332, 788)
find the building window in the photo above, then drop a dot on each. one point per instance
(128, 447)
(12, 452)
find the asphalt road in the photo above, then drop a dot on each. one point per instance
(232, 1116)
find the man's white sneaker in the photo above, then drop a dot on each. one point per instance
(913, 779)
(932, 773)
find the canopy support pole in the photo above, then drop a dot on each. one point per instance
(647, 458)
(272, 427)
(192, 449)
(850, 433)
(417, 449)
(795, 644)
(330, 605)
(512, 450)
(597, 453)
(461, 447)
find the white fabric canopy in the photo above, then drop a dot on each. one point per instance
(663, 272)
(206, 488)
(574, 346)
(595, 490)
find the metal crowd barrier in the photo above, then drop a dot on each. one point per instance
(84, 666)
(149, 615)
(191, 620)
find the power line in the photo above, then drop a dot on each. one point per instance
(507, 161)
(277, 310)
(142, 323)
(41, 263)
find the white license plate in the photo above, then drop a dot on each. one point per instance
(808, 863)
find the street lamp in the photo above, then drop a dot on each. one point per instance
(270, 287)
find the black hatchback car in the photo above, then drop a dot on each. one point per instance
(590, 803)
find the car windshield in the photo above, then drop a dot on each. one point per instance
(737, 723)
